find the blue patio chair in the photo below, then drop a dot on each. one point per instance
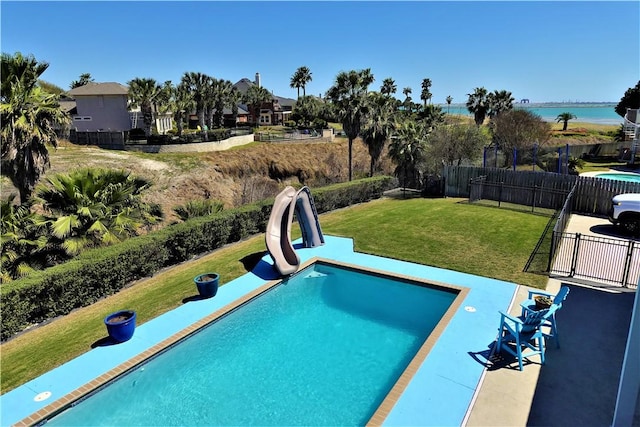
(529, 306)
(524, 333)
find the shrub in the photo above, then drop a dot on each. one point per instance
(101, 272)
(196, 208)
(137, 134)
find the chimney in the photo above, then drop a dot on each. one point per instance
(258, 79)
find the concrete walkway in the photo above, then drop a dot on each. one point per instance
(578, 384)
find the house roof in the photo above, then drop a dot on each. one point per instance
(244, 84)
(68, 106)
(241, 110)
(109, 88)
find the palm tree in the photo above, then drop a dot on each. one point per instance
(84, 79)
(407, 100)
(449, 100)
(348, 96)
(197, 83)
(407, 150)
(477, 104)
(565, 117)
(143, 93)
(182, 103)
(235, 97)
(255, 96)
(367, 78)
(29, 117)
(300, 78)
(498, 102)
(24, 241)
(388, 87)
(94, 207)
(224, 88)
(425, 95)
(377, 125)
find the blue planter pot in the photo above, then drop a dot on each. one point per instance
(121, 325)
(207, 284)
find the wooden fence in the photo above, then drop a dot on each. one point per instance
(592, 196)
(110, 140)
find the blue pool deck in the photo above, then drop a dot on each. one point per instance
(440, 393)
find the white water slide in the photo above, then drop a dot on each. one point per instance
(278, 236)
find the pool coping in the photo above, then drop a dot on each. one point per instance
(434, 368)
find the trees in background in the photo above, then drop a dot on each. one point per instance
(518, 130)
(378, 125)
(182, 103)
(477, 104)
(254, 97)
(300, 78)
(348, 95)
(84, 79)
(408, 102)
(425, 94)
(630, 99)
(307, 110)
(499, 101)
(196, 84)
(50, 87)
(451, 144)
(144, 93)
(388, 87)
(407, 150)
(449, 100)
(565, 117)
(29, 118)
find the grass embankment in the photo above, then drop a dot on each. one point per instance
(439, 232)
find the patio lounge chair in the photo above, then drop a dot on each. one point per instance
(524, 333)
(529, 306)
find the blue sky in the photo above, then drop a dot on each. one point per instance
(543, 51)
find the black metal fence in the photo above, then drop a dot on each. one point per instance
(613, 261)
(501, 192)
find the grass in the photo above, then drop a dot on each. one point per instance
(584, 127)
(439, 232)
(596, 166)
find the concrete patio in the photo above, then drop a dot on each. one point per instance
(578, 384)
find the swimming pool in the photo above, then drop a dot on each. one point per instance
(629, 177)
(324, 347)
(439, 392)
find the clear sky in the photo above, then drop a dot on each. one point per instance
(543, 51)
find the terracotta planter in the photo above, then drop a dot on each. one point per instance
(542, 303)
(207, 284)
(121, 325)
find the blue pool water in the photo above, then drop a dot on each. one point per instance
(322, 348)
(620, 176)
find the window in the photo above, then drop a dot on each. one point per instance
(82, 118)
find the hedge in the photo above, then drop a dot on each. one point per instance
(82, 281)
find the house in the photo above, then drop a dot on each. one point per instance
(104, 107)
(274, 112)
(101, 107)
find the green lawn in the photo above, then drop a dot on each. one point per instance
(447, 233)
